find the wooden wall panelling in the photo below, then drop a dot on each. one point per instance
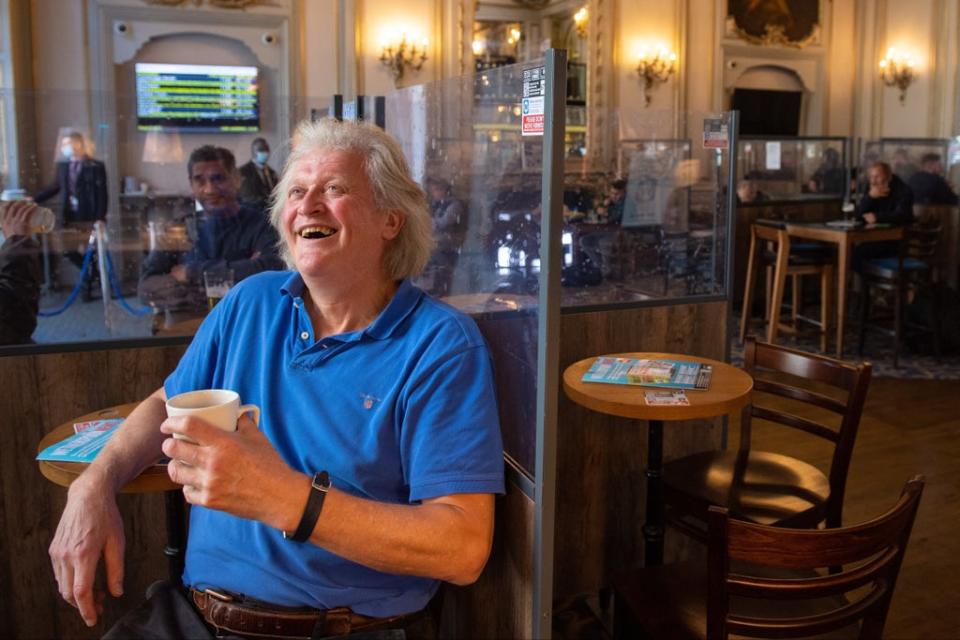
(500, 603)
(41, 392)
(602, 459)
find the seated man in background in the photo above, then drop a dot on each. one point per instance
(928, 185)
(747, 192)
(888, 201)
(19, 274)
(449, 216)
(372, 473)
(830, 176)
(229, 235)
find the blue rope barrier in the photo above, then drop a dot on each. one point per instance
(76, 288)
(111, 274)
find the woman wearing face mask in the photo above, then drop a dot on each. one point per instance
(258, 178)
(81, 183)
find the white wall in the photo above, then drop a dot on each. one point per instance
(849, 98)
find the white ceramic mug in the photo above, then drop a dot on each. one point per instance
(219, 407)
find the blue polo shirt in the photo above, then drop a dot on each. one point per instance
(401, 411)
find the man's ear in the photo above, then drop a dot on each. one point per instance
(392, 223)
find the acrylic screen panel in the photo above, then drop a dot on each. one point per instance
(463, 141)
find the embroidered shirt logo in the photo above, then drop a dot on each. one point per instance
(369, 400)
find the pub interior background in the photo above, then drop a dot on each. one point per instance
(642, 79)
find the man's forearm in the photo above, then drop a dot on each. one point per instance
(447, 538)
(134, 446)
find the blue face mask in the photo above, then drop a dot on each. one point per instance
(67, 151)
(261, 157)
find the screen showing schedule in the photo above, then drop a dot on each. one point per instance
(197, 97)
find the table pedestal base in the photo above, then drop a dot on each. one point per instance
(176, 518)
(654, 525)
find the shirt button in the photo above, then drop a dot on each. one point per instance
(305, 335)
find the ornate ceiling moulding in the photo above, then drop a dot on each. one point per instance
(223, 4)
(786, 23)
(533, 5)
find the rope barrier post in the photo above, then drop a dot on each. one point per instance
(99, 229)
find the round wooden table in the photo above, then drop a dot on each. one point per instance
(153, 478)
(728, 391)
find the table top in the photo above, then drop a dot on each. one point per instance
(729, 390)
(864, 233)
(153, 478)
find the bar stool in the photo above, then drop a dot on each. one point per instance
(781, 262)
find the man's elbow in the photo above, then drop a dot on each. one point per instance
(471, 559)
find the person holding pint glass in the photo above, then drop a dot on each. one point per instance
(372, 473)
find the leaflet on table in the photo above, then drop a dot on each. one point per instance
(666, 398)
(661, 372)
(85, 444)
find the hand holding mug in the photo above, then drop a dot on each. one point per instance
(219, 407)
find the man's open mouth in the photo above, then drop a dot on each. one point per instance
(311, 233)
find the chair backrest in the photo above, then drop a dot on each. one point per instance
(762, 359)
(870, 555)
(920, 240)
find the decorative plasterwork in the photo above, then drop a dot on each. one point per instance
(223, 4)
(774, 36)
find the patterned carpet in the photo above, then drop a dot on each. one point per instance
(879, 351)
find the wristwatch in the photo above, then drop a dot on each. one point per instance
(318, 491)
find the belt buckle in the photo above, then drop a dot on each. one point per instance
(222, 597)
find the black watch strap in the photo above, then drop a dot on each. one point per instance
(318, 491)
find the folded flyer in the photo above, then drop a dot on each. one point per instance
(85, 444)
(660, 373)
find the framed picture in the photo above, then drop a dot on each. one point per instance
(785, 22)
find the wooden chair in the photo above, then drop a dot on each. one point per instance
(771, 582)
(911, 272)
(781, 263)
(771, 488)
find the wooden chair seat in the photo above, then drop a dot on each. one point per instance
(773, 488)
(759, 486)
(773, 582)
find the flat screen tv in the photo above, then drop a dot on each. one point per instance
(197, 97)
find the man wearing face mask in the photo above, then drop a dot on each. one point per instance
(81, 183)
(258, 178)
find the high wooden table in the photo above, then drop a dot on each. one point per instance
(154, 478)
(845, 239)
(729, 390)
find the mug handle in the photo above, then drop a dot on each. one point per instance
(250, 408)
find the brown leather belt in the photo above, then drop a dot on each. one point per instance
(246, 618)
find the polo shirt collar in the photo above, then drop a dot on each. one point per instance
(402, 304)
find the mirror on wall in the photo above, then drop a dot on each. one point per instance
(517, 31)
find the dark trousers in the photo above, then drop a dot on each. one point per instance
(168, 614)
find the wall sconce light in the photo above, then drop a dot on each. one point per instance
(400, 56)
(655, 68)
(896, 70)
(580, 22)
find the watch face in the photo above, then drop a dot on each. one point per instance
(321, 481)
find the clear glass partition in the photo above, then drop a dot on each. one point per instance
(909, 157)
(129, 171)
(646, 214)
(806, 168)
(483, 180)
